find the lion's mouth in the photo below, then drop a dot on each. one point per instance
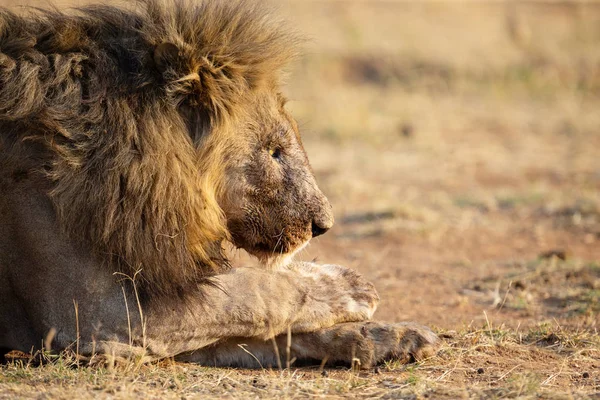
(275, 261)
(274, 251)
(281, 244)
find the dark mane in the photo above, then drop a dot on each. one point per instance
(83, 91)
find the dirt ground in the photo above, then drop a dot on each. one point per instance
(459, 144)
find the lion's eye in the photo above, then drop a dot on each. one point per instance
(275, 152)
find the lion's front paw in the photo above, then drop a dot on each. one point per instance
(371, 343)
(348, 296)
(358, 294)
(406, 342)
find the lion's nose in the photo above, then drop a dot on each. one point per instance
(322, 219)
(322, 222)
(318, 230)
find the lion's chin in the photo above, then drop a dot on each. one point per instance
(276, 262)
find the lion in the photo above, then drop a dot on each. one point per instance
(135, 142)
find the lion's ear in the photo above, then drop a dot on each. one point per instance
(166, 55)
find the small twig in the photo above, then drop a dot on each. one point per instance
(552, 376)
(242, 346)
(489, 325)
(77, 330)
(220, 378)
(139, 303)
(448, 372)
(355, 361)
(323, 363)
(276, 349)
(49, 339)
(505, 297)
(128, 316)
(288, 348)
(509, 371)
(496, 294)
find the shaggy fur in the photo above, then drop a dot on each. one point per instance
(101, 104)
(140, 139)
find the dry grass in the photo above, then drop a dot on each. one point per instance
(459, 146)
(474, 362)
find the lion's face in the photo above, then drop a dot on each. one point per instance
(271, 200)
(263, 183)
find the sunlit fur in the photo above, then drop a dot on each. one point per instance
(84, 109)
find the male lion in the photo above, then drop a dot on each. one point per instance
(133, 143)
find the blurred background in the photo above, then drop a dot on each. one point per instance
(459, 144)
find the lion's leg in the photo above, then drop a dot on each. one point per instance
(260, 304)
(367, 343)
(247, 302)
(67, 298)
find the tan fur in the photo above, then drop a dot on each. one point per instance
(133, 142)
